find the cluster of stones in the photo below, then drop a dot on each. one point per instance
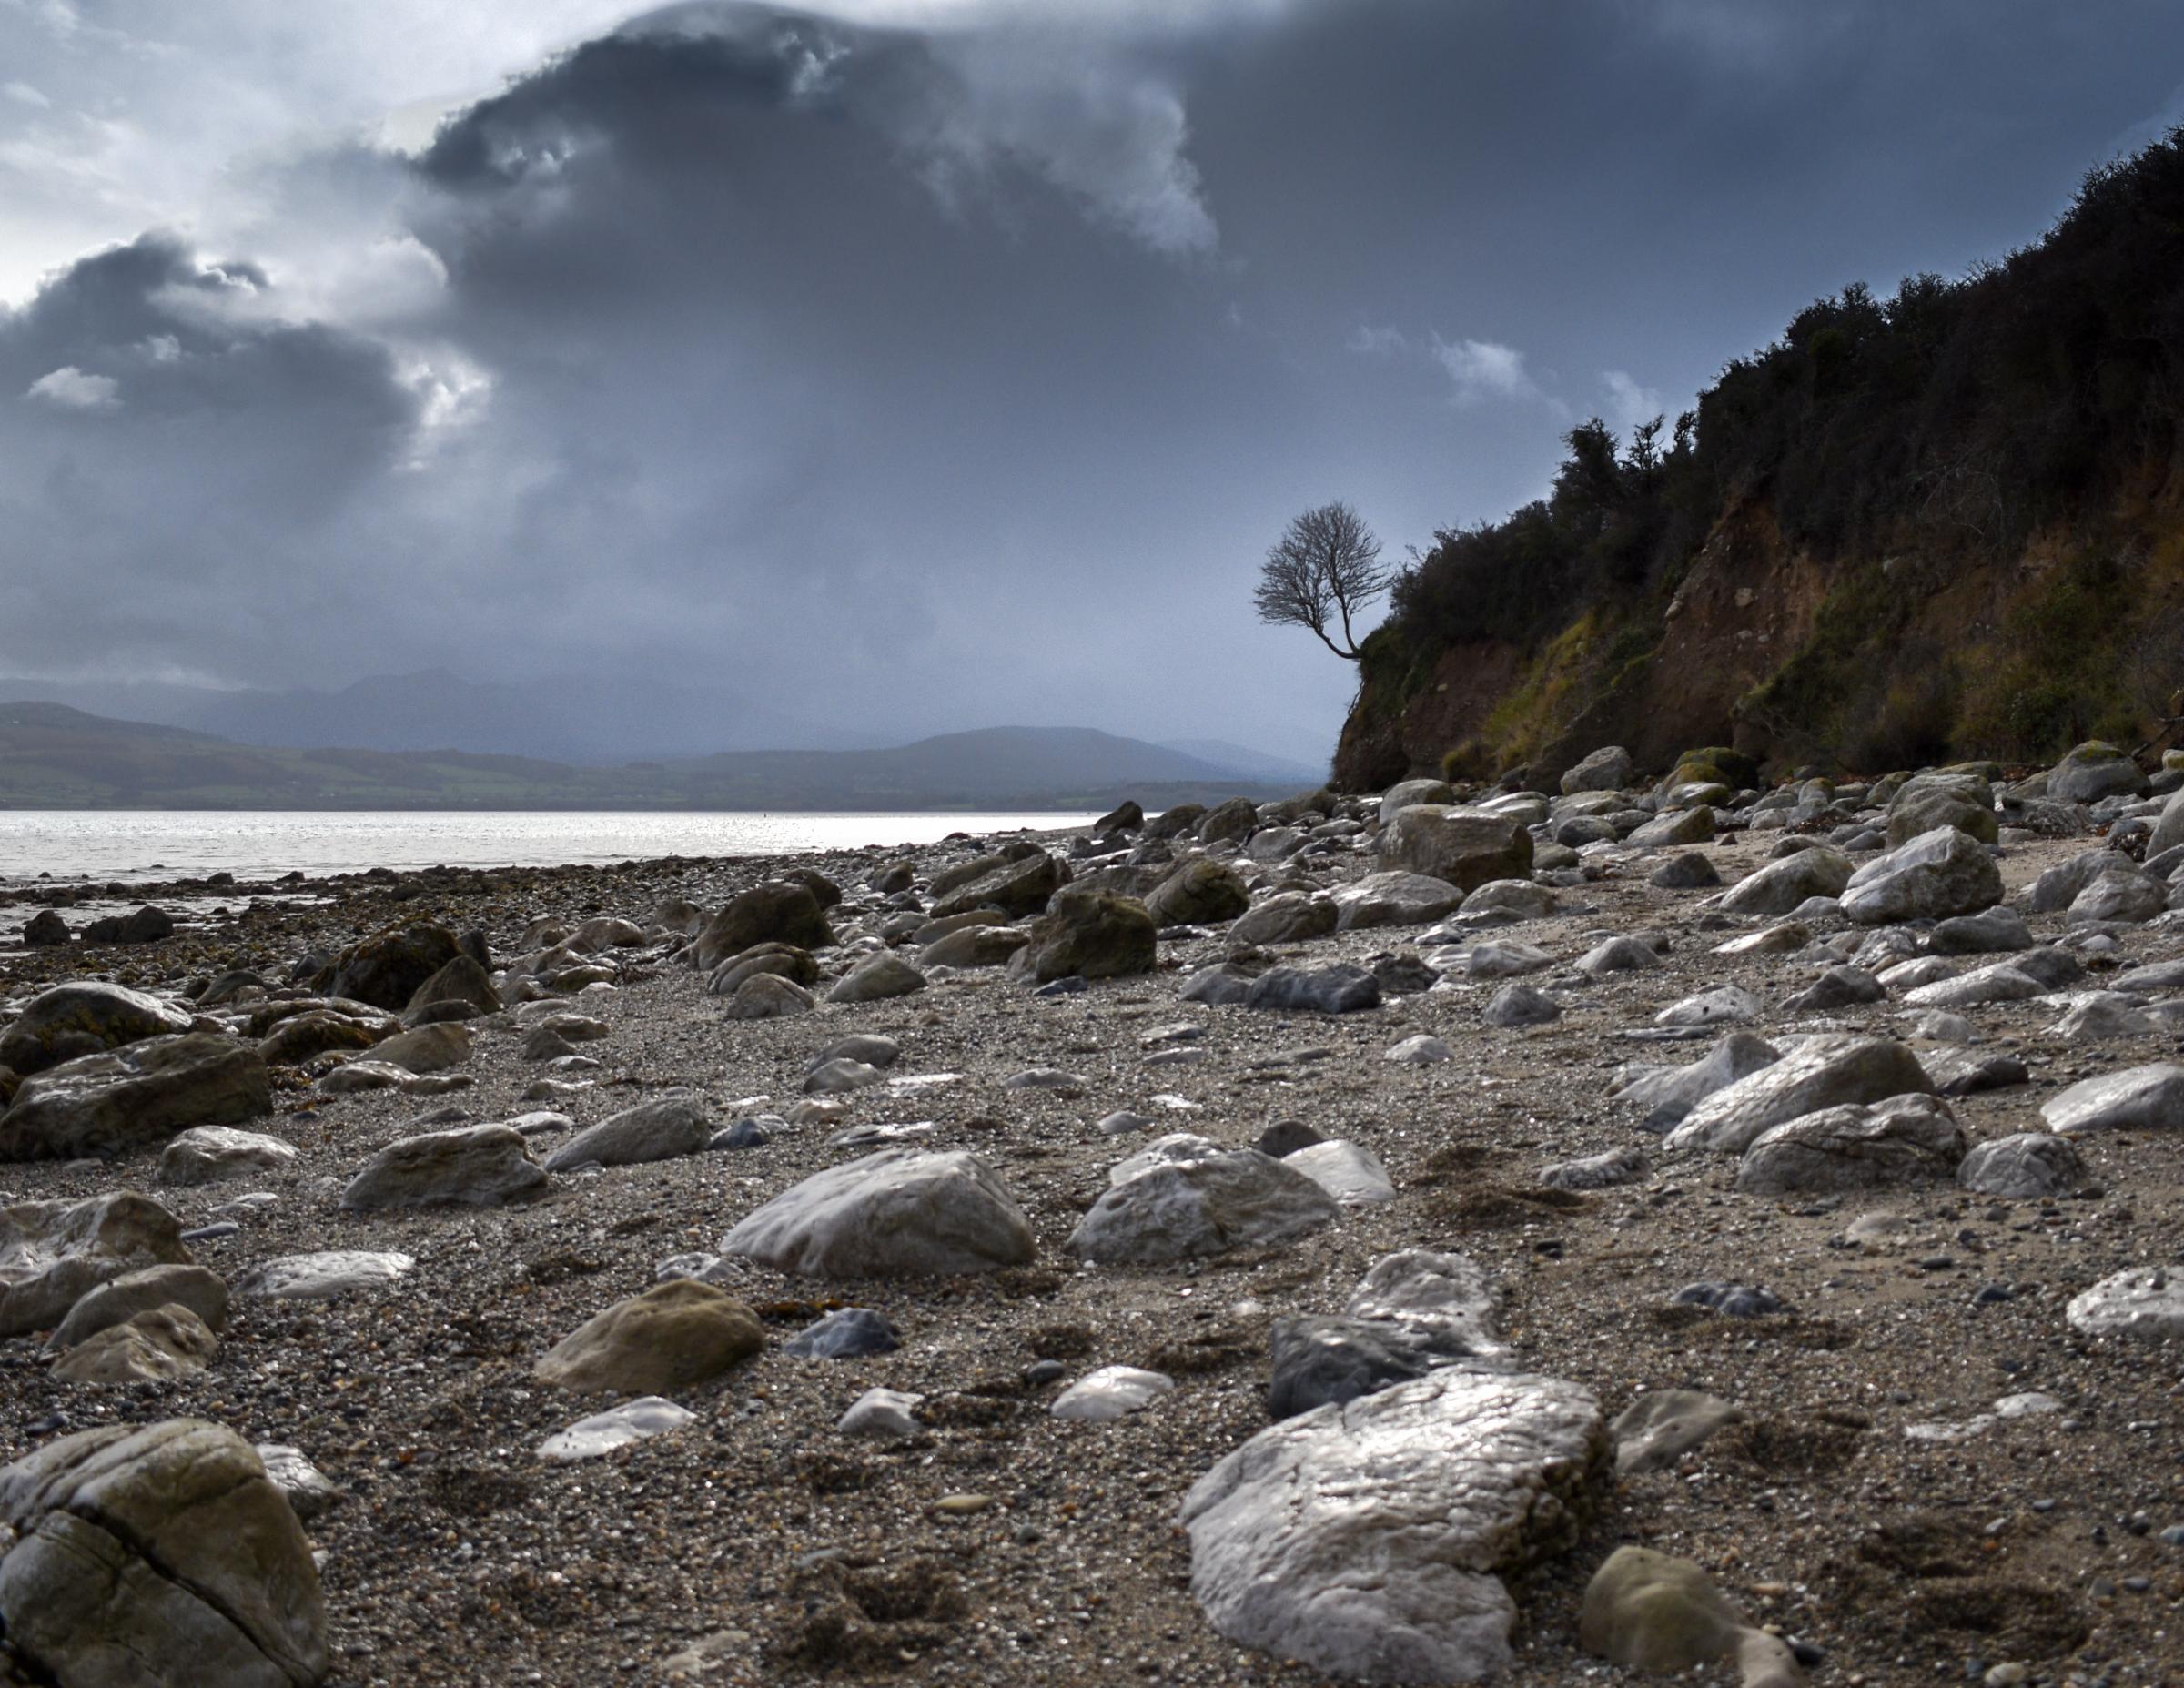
(1409, 1467)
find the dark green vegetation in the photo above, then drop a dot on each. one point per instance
(1952, 513)
(54, 757)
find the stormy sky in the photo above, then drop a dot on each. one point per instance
(911, 365)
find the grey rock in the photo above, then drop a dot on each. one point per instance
(1216, 987)
(158, 1345)
(841, 1076)
(1669, 1093)
(212, 1154)
(473, 1166)
(133, 1096)
(2095, 1017)
(769, 996)
(1725, 1004)
(1511, 899)
(984, 945)
(1781, 886)
(1730, 1301)
(2145, 1302)
(901, 1213)
(1321, 990)
(1969, 1072)
(1618, 954)
(1963, 803)
(1406, 794)
(159, 1556)
(1661, 1426)
(2092, 771)
(877, 979)
(1109, 1393)
(778, 912)
(53, 1253)
(85, 1018)
(306, 1489)
(1186, 1198)
(1350, 1172)
(1517, 1005)
(2058, 887)
(1088, 934)
(1995, 931)
(1694, 825)
(46, 930)
(1447, 1482)
(2003, 982)
(1201, 891)
(1836, 987)
(846, 1333)
(1053, 1078)
(1393, 899)
(120, 1299)
(1609, 769)
(323, 1276)
(1319, 1359)
(2140, 1098)
(1935, 876)
(2120, 894)
(2169, 829)
(1688, 872)
(1906, 1141)
(1827, 1071)
(1467, 847)
(426, 1048)
(1607, 1170)
(1290, 917)
(1285, 1137)
(1421, 1049)
(2022, 1166)
(867, 1048)
(1505, 959)
(883, 1413)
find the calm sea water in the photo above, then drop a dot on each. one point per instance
(105, 843)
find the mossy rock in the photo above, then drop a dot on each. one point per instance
(1730, 767)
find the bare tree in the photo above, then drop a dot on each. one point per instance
(1325, 568)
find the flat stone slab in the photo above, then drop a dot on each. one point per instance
(1350, 1172)
(602, 1432)
(321, 1277)
(1109, 1393)
(2140, 1097)
(2146, 1302)
(1368, 1540)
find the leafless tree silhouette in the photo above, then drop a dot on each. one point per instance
(1325, 568)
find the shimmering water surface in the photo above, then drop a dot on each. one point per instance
(105, 844)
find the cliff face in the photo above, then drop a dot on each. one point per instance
(1947, 524)
(1855, 664)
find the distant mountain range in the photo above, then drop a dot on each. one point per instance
(590, 722)
(53, 756)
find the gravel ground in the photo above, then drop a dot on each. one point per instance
(757, 1546)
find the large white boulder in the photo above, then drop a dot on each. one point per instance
(1368, 1540)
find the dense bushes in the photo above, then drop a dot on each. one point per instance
(1947, 423)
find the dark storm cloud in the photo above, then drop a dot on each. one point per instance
(921, 377)
(170, 457)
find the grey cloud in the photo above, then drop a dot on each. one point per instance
(908, 375)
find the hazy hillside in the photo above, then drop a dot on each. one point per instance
(53, 756)
(1938, 524)
(571, 718)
